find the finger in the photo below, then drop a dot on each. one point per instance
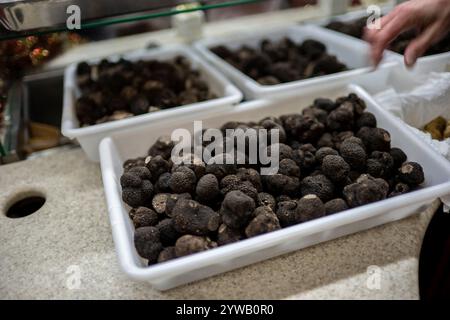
(370, 33)
(419, 45)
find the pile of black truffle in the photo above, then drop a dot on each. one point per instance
(117, 90)
(281, 61)
(356, 29)
(332, 157)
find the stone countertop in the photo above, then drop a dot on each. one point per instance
(65, 250)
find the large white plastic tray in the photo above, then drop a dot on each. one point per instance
(135, 142)
(353, 52)
(90, 137)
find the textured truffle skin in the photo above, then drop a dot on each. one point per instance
(163, 183)
(172, 200)
(226, 235)
(289, 167)
(375, 139)
(157, 166)
(380, 164)
(411, 173)
(353, 154)
(147, 243)
(325, 104)
(189, 244)
(237, 209)
(190, 217)
(399, 189)
(168, 234)
(286, 212)
(335, 206)
(319, 185)
(265, 221)
(309, 207)
(144, 217)
(167, 254)
(335, 167)
(137, 189)
(323, 152)
(341, 119)
(266, 200)
(367, 189)
(250, 175)
(183, 180)
(279, 184)
(367, 119)
(207, 189)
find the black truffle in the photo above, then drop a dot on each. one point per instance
(279, 184)
(183, 180)
(157, 166)
(375, 139)
(319, 185)
(265, 221)
(137, 189)
(289, 167)
(380, 164)
(159, 202)
(335, 167)
(147, 243)
(411, 173)
(190, 217)
(237, 209)
(266, 200)
(163, 147)
(226, 235)
(325, 104)
(399, 189)
(207, 189)
(398, 155)
(250, 175)
(367, 119)
(335, 206)
(286, 213)
(353, 154)
(172, 200)
(163, 183)
(167, 254)
(365, 190)
(189, 244)
(168, 234)
(144, 217)
(323, 152)
(309, 207)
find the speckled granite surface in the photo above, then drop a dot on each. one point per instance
(42, 254)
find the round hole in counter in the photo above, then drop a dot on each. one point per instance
(25, 204)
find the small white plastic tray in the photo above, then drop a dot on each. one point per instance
(135, 142)
(351, 51)
(90, 137)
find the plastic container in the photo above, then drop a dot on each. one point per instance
(135, 142)
(90, 137)
(352, 52)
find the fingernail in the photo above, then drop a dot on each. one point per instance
(410, 59)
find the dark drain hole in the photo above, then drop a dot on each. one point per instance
(25, 207)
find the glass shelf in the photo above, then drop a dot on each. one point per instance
(22, 18)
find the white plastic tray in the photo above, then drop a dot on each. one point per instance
(90, 137)
(135, 142)
(430, 60)
(351, 51)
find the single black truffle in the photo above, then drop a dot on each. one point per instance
(318, 185)
(289, 167)
(286, 212)
(190, 217)
(172, 200)
(137, 189)
(398, 155)
(168, 234)
(411, 173)
(342, 118)
(375, 139)
(265, 221)
(279, 184)
(326, 104)
(147, 243)
(189, 244)
(365, 190)
(207, 189)
(323, 152)
(335, 167)
(266, 200)
(309, 207)
(250, 175)
(353, 154)
(237, 209)
(144, 217)
(167, 254)
(163, 183)
(163, 147)
(380, 164)
(226, 235)
(399, 189)
(183, 180)
(367, 119)
(335, 205)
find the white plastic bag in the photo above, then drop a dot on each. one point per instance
(416, 107)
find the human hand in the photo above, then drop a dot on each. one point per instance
(431, 17)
